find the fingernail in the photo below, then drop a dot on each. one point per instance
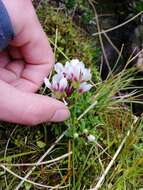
(60, 115)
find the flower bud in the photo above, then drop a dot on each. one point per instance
(91, 138)
(76, 135)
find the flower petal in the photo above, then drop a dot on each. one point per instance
(55, 80)
(68, 71)
(74, 62)
(47, 83)
(84, 87)
(76, 72)
(81, 65)
(86, 75)
(59, 67)
(67, 64)
(63, 84)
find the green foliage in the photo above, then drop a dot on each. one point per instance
(139, 6)
(82, 8)
(70, 3)
(102, 112)
(108, 121)
(70, 39)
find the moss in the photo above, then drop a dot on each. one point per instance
(72, 40)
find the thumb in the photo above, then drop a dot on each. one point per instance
(28, 108)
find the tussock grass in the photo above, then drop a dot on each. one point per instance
(49, 157)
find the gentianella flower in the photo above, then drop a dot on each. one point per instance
(59, 83)
(75, 70)
(73, 76)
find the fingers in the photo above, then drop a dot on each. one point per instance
(30, 44)
(14, 52)
(25, 85)
(29, 109)
(7, 76)
(35, 49)
(4, 59)
(12, 71)
(32, 77)
(39, 58)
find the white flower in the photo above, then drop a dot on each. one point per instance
(84, 87)
(86, 75)
(76, 62)
(91, 138)
(79, 71)
(74, 70)
(59, 68)
(73, 76)
(59, 83)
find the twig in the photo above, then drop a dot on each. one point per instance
(87, 110)
(32, 182)
(55, 46)
(5, 151)
(118, 26)
(100, 36)
(130, 60)
(41, 163)
(40, 160)
(117, 61)
(111, 43)
(56, 41)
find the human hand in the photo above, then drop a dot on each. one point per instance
(23, 66)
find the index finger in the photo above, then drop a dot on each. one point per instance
(36, 51)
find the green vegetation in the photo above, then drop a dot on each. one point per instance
(105, 112)
(139, 6)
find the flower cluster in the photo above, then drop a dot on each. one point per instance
(73, 76)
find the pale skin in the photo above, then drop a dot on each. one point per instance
(23, 66)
